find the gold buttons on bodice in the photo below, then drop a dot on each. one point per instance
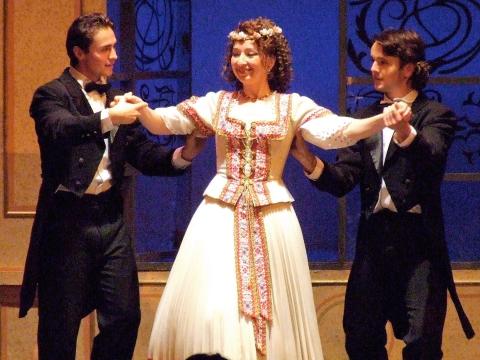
(247, 153)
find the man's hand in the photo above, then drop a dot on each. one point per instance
(302, 154)
(125, 113)
(397, 117)
(193, 146)
(396, 114)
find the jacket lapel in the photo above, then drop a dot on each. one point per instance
(75, 91)
(374, 146)
(392, 148)
(110, 96)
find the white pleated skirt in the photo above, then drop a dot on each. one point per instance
(198, 311)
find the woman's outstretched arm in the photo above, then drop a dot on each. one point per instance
(149, 118)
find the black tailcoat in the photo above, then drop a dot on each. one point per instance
(413, 175)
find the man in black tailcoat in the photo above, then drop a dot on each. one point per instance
(81, 256)
(401, 271)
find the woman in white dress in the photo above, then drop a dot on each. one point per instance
(240, 285)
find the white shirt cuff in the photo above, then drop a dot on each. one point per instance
(317, 172)
(106, 122)
(409, 138)
(177, 160)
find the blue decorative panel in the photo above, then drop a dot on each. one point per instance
(462, 219)
(464, 100)
(154, 62)
(153, 35)
(162, 37)
(449, 28)
(317, 214)
(162, 216)
(162, 211)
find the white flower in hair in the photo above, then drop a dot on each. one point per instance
(242, 36)
(266, 32)
(238, 36)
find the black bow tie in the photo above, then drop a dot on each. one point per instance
(100, 88)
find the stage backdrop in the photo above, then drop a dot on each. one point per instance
(170, 50)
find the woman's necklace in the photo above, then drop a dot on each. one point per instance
(255, 98)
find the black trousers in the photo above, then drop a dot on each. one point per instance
(393, 279)
(87, 264)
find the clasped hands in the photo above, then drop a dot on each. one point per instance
(397, 117)
(125, 109)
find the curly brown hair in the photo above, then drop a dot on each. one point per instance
(275, 45)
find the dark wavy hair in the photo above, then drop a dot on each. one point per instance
(275, 46)
(409, 47)
(82, 31)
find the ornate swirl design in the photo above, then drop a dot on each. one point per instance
(468, 128)
(163, 96)
(155, 37)
(449, 28)
(434, 95)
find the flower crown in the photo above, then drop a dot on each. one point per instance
(242, 36)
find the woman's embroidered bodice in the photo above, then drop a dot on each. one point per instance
(253, 139)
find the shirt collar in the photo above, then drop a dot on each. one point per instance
(409, 98)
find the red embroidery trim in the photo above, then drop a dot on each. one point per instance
(321, 112)
(185, 107)
(248, 167)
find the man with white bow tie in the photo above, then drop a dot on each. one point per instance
(401, 271)
(81, 256)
